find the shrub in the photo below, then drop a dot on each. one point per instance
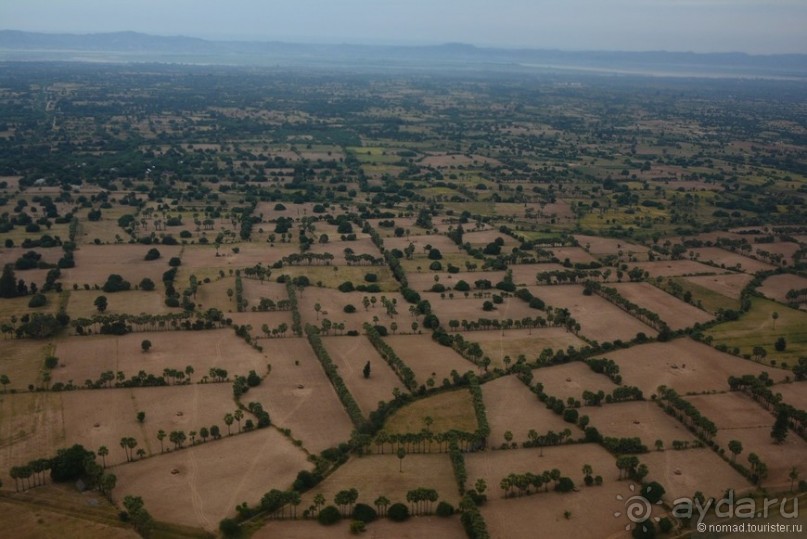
(398, 512)
(38, 300)
(436, 266)
(175, 262)
(229, 527)
(349, 308)
(152, 254)
(371, 277)
(444, 509)
(329, 515)
(564, 485)
(364, 513)
(146, 284)
(347, 286)
(357, 527)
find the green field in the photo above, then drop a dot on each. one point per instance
(758, 328)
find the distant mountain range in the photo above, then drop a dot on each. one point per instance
(138, 47)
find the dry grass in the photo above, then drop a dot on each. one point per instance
(673, 311)
(22, 361)
(642, 419)
(515, 342)
(571, 380)
(452, 410)
(427, 358)
(414, 528)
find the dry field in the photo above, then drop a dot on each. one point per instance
(786, 248)
(299, 396)
(524, 274)
(572, 254)
(332, 303)
(362, 245)
(379, 475)
(31, 427)
(514, 342)
(504, 395)
(269, 213)
(102, 417)
(492, 466)
(729, 285)
(731, 260)
(85, 358)
(777, 286)
(599, 319)
(198, 486)
(202, 260)
(94, 263)
(684, 365)
(676, 313)
(672, 268)
(254, 290)
(642, 419)
(460, 308)
(424, 281)
(81, 303)
(571, 380)
(443, 243)
(414, 528)
(350, 354)
(794, 394)
(55, 512)
(213, 295)
(483, 237)
(452, 410)
(738, 417)
(427, 358)
(22, 361)
(700, 469)
(608, 246)
(9, 255)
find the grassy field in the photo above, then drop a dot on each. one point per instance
(710, 300)
(758, 328)
(452, 410)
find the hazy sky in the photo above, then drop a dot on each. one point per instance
(754, 26)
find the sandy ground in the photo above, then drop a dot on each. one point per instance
(350, 354)
(683, 364)
(676, 313)
(198, 486)
(730, 285)
(599, 319)
(504, 395)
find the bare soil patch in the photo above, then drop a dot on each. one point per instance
(597, 245)
(212, 478)
(794, 394)
(427, 358)
(379, 475)
(102, 417)
(727, 259)
(515, 342)
(350, 354)
(421, 241)
(414, 528)
(524, 274)
(424, 281)
(682, 473)
(332, 303)
(776, 287)
(730, 285)
(785, 248)
(299, 396)
(483, 237)
(571, 380)
(599, 319)
(671, 268)
(94, 263)
(81, 303)
(738, 417)
(642, 419)
(87, 357)
(32, 427)
(684, 365)
(572, 254)
(673, 311)
(461, 308)
(504, 395)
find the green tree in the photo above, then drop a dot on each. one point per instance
(145, 345)
(736, 447)
(8, 282)
(366, 370)
(400, 454)
(103, 451)
(101, 303)
(779, 431)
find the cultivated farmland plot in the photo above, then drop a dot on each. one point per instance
(427, 358)
(673, 311)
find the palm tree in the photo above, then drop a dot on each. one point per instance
(793, 476)
(228, 420)
(775, 316)
(381, 504)
(239, 415)
(161, 437)
(103, 451)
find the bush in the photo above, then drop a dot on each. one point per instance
(38, 300)
(570, 415)
(349, 308)
(329, 515)
(229, 527)
(371, 277)
(146, 284)
(175, 262)
(653, 492)
(357, 527)
(152, 254)
(347, 286)
(382, 330)
(564, 485)
(444, 509)
(364, 513)
(398, 512)
(436, 266)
